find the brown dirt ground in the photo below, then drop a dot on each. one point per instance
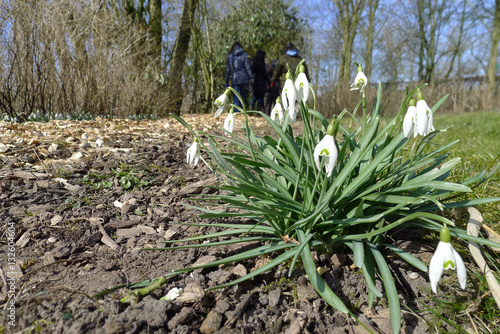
(73, 241)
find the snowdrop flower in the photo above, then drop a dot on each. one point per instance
(229, 122)
(446, 257)
(277, 112)
(409, 123)
(289, 96)
(292, 115)
(424, 117)
(360, 81)
(327, 148)
(302, 85)
(222, 102)
(193, 153)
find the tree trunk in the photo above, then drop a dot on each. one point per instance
(495, 38)
(423, 40)
(204, 53)
(349, 12)
(155, 32)
(370, 36)
(456, 49)
(430, 21)
(175, 93)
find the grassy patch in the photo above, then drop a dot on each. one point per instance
(479, 149)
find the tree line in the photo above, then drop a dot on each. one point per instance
(149, 58)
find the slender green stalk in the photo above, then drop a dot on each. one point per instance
(363, 98)
(138, 294)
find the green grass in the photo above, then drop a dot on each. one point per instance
(479, 149)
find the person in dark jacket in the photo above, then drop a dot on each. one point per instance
(261, 80)
(274, 90)
(292, 58)
(238, 70)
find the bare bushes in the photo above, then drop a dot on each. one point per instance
(465, 96)
(66, 57)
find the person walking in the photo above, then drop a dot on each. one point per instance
(239, 72)
(292, 58)
(274, 89)
(261, 81)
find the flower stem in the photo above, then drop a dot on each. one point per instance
(364, 109)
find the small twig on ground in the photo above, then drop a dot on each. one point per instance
(490, 230)
(43, 164)
(72, 290)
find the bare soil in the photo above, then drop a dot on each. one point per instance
(78, 232)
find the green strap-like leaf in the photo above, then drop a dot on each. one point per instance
(439, 103)
(390, 289)
(461, 204)
(359, 253)
(271, 264)
(408, 257)
(369, 273)
(317, 281)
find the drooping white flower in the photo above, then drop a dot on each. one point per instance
(292, 114)
(193, 153)
(424, 118)
(360, 81)
(327, 148)
(277, 112)
(302, 85)
(446, 257)
(222, 102)
(409, 122)
(289, 96)
(229, 122)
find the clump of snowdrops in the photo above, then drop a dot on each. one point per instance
(339, 186)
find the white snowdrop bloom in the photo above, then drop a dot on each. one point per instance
(288, 97)
(360, 81)
(229, 122)
(193, 153)
(222, 102)
(302, 85)
(446, 257)
(327, 148)
(409, 122)
(277, 112)
(424, 118)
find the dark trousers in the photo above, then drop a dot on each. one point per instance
(242, 90)
(257, 99)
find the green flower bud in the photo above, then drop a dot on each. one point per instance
(444, 235)
(420, 95)
(330, 130)
(360, 68)
(412, 102)
(288, 75)
(302, 69)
